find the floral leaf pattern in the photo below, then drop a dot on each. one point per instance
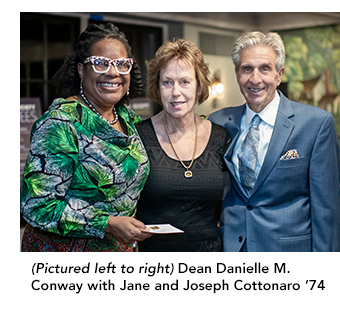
(80, 171)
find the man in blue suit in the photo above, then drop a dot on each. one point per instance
(290, 199)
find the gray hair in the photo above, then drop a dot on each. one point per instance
(250, 39)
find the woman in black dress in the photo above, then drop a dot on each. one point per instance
(187, 172)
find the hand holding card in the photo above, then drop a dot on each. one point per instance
(163, 229)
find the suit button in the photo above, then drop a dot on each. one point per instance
(240, 239)
(249, 207)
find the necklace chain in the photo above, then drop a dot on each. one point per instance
(187, 174)
(110, 122)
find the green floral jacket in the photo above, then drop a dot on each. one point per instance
(80, 171)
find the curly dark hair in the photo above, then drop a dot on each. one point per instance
(67, 79)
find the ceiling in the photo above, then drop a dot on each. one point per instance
(246, 21)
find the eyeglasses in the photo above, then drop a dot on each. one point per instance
(102, 65)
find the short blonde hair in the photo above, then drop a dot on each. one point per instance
(186, 51)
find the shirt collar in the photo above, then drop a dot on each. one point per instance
(268, 114)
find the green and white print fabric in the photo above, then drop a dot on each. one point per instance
(80, 171)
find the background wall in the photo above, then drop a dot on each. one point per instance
(220, 63)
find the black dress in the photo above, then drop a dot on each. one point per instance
(189, 204)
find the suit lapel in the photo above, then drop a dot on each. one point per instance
(233, 122)
(233, 125)
(281, 133)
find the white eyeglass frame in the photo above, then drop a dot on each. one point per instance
(92, 59)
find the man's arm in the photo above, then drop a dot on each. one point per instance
(324, 189)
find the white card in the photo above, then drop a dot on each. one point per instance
(163, 229)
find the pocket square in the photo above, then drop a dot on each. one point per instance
(291, 154)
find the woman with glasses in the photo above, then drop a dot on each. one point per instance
(87, 165)
(187, 170)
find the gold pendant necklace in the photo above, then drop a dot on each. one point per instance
(187, 173)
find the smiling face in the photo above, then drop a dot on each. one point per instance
(257, 76)
(178, 85)
(105, 90)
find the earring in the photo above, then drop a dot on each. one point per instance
(81, 87)
(128, 92)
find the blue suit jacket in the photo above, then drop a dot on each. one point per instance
(295, 203)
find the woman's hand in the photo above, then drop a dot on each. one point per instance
(127, 229)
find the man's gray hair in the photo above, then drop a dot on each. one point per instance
(254, 38)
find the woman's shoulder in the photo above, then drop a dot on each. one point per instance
(218, 128)
(128, 114)
(220, 133)
(68, 108)
(152, 123)
(61, 111)
(63, 105)
(144, 126)
(58, 115)
(215, 128)
(146, 132)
